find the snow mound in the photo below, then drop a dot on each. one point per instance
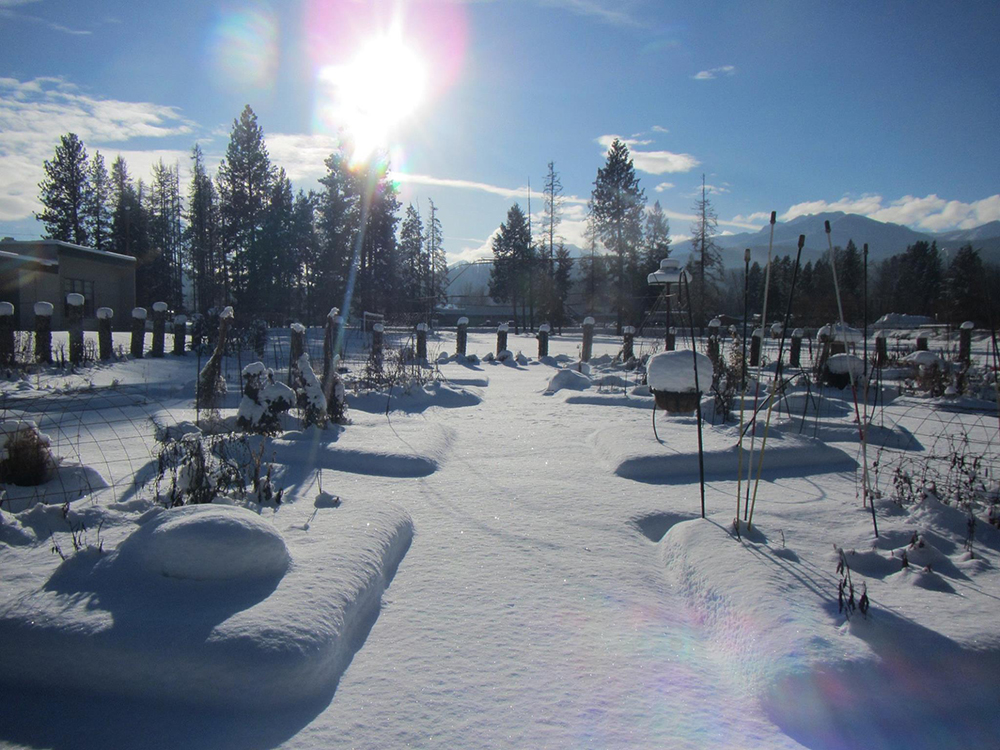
(206, 543)
(96, 627)
(897, 320)
(568, 379)
(635, 454)
(846, 364)
(923, 359)
(674, 372)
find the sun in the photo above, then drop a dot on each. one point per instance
(375, 93)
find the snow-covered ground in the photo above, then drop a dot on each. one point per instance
(506, 556)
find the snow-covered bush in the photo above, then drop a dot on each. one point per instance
(264, 400)
(196, 469)
(25, 457)
(309, 393)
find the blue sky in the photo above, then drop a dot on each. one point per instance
(885, 109)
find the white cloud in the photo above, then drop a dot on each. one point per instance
(302, 156)
(659, 129)
(652, 162)
(712, 73)
(930, 213)
(664, 186)
(764, 216)
(33, 116)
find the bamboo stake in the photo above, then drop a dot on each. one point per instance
(862, 432)
(777, 378)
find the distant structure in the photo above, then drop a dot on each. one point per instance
(47, 270)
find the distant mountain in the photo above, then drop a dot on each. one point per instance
(990, 230)
(884, 239)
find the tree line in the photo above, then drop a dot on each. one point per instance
(915, 282)
(243, 237)
(534, 275)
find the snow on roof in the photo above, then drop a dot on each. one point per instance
(15, 248)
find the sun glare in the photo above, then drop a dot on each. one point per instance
(376, 93)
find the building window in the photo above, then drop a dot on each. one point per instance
(79, 286)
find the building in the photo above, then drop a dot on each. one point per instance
(47, 270)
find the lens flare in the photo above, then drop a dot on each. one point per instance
(244, 48)
(374, 93)
(377, 64)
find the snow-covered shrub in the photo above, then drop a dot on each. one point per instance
(264, 400)
(309, 393)
(196, 469)
(25, 457)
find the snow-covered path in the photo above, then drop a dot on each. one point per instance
(527, 613)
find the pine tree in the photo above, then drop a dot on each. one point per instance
(338, 220)
(704, 267)
(377, 277)
(563, 281)
(276, 265)
(64, 192)
(130, 228)
(98, 204)
(920, 279)
(244, 183)
(437, 260)
(617, 206)
(305, 239)
(965, 292)
(512, 255)
(164, 261)
(656, 247)
(202, 236)
(411, 257)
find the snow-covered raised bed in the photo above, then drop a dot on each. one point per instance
(671, 378)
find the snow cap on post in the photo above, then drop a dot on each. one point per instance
(139, 313)
(968, 325)
(74, 299)
(503, 328)
(378, 327)
(44, 309)
(463, 321)
(159, 307)
(421, 326)
(715, 323)
(227, 312)
(798, 333)
(758, 333)
(298, 328)
(631, 329)
(776, 329)
(105, 313)
(6, 309)
(544, 328)
(588, 321)
(180, 320)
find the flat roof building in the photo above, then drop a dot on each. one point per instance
(47, 270)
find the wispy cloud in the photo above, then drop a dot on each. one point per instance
(709, 188)
(659, 129)
(652, 162)
(33, 116)
(519, 193)
(664, 186)
(712, 73)
(611, 13)
(930, 213)
(7, 11)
